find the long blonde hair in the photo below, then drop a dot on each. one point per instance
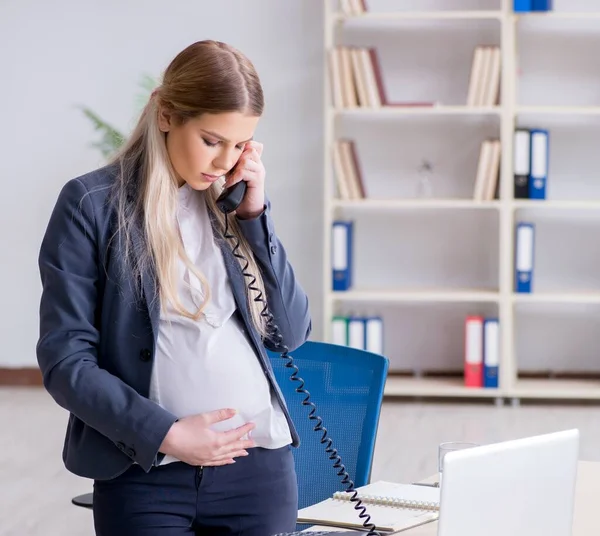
(206, 77)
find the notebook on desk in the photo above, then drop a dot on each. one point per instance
(392, 507)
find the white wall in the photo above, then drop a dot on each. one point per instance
(60, 54)
(57, 55)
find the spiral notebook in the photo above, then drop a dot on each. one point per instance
(392, 507)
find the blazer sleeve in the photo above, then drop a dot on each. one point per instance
(286, 299)
(68, 340)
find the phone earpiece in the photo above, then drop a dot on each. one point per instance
(231, 197)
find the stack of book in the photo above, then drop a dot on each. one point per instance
(488, 171)
(353, 7)
(484, 83)
(348, 176)
(357, 80)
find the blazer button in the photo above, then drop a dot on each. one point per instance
(145, 354)
(273, 250)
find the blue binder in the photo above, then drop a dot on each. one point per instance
(374, 334)
(538, 175)
(541, 5)
(522, 6)
(524, 255)
(341, 255)
(491, 352)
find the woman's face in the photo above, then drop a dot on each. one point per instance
(206, 147)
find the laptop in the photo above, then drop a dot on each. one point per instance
(523, 487)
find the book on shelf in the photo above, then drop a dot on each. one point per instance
(530, 163)
(524, 255)
(484, 81)
(392, 507)
(341, 254)
(539, 164)
(542, 5)
(348, 174)
(525, 6)
(488, 171)
(491, 352)
(353, 7)
(521, 162)
(357, 80)
(356, 331)
(482, 351)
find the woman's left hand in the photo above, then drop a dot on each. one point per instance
(250, 168)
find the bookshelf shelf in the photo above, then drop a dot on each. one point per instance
(546, 388)
(436, 109)
(435, 388)
(419, 15)
(559, 110)
(412, 295)
(558, 297)
(418, 204)
(556, 205)
(541, 388)
(553, 15)
(477, 251)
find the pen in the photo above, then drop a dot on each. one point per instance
(430, 485)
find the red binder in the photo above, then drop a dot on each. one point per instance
(474, 351)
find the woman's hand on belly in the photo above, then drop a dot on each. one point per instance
(192, 440)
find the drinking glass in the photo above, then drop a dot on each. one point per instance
(445, 448)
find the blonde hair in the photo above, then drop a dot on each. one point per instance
(206, 77)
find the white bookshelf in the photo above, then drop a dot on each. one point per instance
(424, 305)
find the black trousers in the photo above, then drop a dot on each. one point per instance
(256, 496)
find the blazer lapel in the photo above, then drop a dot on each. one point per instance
(148, 283)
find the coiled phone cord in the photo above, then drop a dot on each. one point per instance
(273, 330)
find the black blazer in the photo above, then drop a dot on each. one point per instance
(96, 343)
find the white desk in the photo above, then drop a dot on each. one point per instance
(587, 505)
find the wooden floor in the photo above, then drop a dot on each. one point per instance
(35, 489)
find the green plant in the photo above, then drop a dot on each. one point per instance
(111, 138)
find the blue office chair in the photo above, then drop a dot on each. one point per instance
(346, 385)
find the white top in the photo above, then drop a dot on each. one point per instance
(209, 364)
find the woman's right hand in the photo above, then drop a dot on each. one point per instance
(192, 441)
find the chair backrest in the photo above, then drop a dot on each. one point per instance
(346, 385)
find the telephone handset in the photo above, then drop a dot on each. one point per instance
(229, 199)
